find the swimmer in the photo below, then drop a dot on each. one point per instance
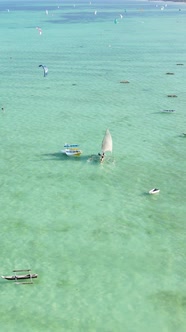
(102, 157)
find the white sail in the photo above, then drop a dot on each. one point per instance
(107, 142)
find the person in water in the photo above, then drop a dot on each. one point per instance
(101, 156)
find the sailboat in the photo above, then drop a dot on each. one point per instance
(71, 150)
(106, 144)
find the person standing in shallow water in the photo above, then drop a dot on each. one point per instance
(101, 156)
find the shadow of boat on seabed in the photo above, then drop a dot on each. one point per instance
(58, 156)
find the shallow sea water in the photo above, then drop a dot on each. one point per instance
(109, 256)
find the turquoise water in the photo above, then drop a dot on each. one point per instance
(109, 256)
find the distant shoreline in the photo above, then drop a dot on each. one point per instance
(171, 0)
(180, 1)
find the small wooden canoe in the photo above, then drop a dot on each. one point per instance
(25, 276)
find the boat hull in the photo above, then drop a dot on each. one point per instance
(70, 152)
(26, 276)
(154, 191)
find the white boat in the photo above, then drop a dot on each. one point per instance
(106, 144)
(71, 150)
(154, 191)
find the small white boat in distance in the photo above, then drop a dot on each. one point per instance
(154, 191)
(71, 150)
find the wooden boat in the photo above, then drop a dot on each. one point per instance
(18, 277)
(154, 191)
(71, 150)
